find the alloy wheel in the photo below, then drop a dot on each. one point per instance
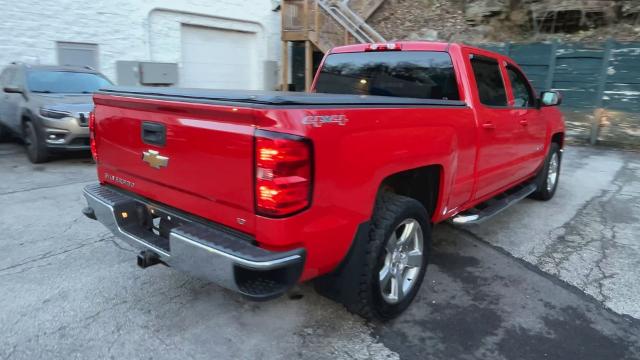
(402, 262)
(552, 174)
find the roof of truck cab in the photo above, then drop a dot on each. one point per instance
(404, 45)
(421, 46)
(410, 46)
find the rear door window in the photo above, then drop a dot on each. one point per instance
(489, 80)
(412, 74)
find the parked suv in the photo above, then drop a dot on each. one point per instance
(48, 106)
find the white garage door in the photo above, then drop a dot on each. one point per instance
(218, 59)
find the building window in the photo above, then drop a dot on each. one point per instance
(78, 54)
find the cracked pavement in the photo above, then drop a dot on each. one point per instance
(69, 290)
(589, 234)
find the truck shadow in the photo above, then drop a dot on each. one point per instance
(479, 302)
(75, 156)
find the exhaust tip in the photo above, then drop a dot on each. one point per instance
(148, 258)
(88, 212)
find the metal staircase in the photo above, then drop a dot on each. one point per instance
(322, 25)
(352, 22)
(364, 8)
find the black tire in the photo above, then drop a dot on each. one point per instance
(546, 186)
(391, 211)
(36, 150)
(5, 135)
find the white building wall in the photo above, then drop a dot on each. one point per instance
(139, 30)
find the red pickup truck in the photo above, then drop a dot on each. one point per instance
(257, 191)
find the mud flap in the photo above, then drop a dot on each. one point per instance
(341, 285)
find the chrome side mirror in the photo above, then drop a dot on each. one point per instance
(550, 98)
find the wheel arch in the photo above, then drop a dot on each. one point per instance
(423, 184)
(558, 138)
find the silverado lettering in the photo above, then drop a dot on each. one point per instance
(119, 180)
(256, 200)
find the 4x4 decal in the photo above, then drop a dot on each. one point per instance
(319, 120)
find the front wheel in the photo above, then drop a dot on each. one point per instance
(396, 261)
(4, 133)
(36, 150)
(549, 175)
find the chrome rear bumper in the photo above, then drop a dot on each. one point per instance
(206, 250)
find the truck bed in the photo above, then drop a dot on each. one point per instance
(261, 99)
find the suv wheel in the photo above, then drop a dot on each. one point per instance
(36, 150)
(549, 175)
(4, 133)
(396, 258)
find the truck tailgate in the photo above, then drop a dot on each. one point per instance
(194, 157)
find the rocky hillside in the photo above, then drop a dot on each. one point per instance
(508, 20)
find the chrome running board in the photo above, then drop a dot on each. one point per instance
(494, 206)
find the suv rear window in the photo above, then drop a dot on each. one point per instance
(413, 74)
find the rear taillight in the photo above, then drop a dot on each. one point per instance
(92, 135)
(283, 173)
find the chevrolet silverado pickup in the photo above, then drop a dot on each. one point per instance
(257, 191)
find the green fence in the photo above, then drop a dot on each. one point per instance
(600, 84)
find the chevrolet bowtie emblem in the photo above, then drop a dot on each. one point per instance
(154, 159)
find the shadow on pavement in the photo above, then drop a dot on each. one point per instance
(15, 147)
(477, 302)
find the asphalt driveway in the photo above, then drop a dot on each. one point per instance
(556, 280)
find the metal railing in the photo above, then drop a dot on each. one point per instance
(364, 8)
(351, 21)
(327, 23)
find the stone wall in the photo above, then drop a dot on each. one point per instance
(508, 20)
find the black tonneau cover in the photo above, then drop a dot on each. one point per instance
(270, 98)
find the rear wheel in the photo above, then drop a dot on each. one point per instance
(396, 258)
(549, 175)
(36, 150)
(402, 262)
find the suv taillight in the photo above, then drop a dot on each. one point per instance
(283, 173)
(92, 135)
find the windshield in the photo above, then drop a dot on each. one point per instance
(47, 81)
(414, 74)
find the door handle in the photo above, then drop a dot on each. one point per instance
(488, 125)
(154, 133)
(524, 122)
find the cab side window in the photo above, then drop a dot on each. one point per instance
(522, 94)
(489, 80)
